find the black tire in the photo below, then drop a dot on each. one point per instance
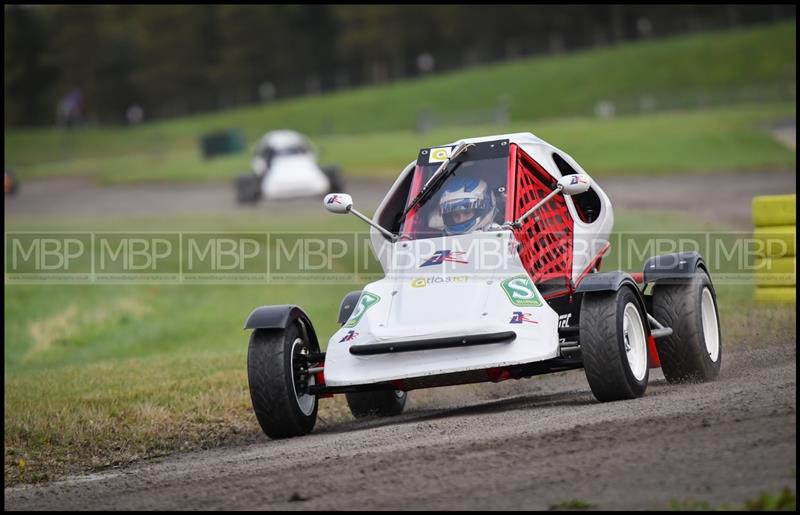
(271, 376)
(11, 185)
(687, 355)
(334, 176)
(603, 344)
(248, 188)
(383, 403)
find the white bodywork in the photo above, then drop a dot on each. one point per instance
(294, 175)
(463, 296)
(436, 301)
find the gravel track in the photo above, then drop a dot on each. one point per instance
(723, 197)
(539, 443)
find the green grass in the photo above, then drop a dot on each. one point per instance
(722, 66)
(766, 501)
(104, 375)
(572, 504)
(730, 138)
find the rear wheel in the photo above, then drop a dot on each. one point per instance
(11, 184)
(248, 188)
(277, 371)
(383, 403)
(693, 352)
(614, 344)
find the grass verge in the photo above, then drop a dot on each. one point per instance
(784, 500)
(729, 138)
(100, 376)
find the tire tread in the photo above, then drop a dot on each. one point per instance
(272, 395)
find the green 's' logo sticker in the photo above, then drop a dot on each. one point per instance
(366, 301)
(521, 292)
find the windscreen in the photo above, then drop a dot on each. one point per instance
(472, 197)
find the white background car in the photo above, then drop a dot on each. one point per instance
(284, 165)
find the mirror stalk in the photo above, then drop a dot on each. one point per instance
(573, 184)
(383, 231)
(341, 203)
(518, 223)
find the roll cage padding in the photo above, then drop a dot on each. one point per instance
(678, 265)
(279, 317)
(348, 305)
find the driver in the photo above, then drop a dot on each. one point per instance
(467, 204)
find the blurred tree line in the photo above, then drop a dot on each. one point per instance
(180, 59)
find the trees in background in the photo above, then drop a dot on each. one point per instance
(180, 59)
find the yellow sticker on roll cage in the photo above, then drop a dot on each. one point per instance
(439, 155)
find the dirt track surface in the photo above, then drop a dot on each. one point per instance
(721, 197)
(528, 444)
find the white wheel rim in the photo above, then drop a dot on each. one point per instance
(635, 343)
(304, 401)
(710, 326)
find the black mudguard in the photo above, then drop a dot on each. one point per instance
(605, 281)
(676, 266)
(612, 281)
(279, 317)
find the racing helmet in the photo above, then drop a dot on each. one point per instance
(467, 204)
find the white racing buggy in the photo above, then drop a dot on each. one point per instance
(284, 165)
(491, 249)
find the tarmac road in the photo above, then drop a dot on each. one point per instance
(531, 444)
(724, 197)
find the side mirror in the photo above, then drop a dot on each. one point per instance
(342, 203)
(574, 184)
(339, 203)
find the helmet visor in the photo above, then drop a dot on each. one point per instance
(456, 212)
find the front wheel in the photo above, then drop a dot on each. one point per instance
(335, 179)
(277, 372)
(614, 344)
(383, 403)
(693, 352)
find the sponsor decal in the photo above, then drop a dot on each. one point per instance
(519, 317)
(563, 320)
(578, 179)
(513, 247)
(333, 199)
(351, 335)
(366, 301)
(421, 282)
(440, 256)
(439, 155)
(521, 292)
